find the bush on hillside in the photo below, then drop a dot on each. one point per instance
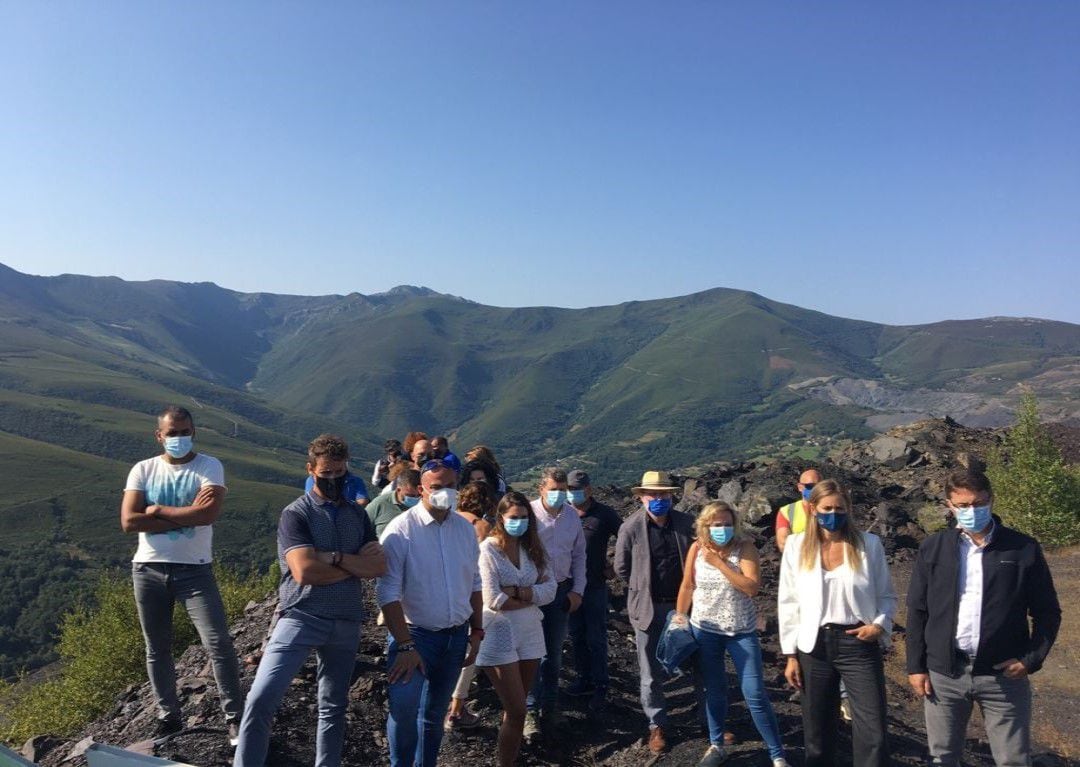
(1035, 491)
(101, 648)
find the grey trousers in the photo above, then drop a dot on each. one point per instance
(653, 674)
(158, 587)
(1006, 710)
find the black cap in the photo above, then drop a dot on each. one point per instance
(577, 479)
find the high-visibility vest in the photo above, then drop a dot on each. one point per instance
(795, 514)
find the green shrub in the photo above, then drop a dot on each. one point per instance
(101, 648)
(1035, 491)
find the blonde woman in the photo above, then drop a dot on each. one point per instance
(716, 597)
(835, 608)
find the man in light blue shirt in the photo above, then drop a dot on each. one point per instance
(431, 599)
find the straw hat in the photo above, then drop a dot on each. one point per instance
(654, 480)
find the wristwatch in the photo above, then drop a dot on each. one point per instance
(406, 647)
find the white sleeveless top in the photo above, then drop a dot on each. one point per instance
(719, 606)
(834, 600)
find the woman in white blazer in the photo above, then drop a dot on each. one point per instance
(836, 606)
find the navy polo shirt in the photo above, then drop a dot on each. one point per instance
(313, 522)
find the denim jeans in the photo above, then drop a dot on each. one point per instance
(296, 634)
(544, 694)
(158, 587)
(418, 707)
(837, 657)
(745, 652)
(588, 635)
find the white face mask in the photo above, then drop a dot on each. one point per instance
(445, 498)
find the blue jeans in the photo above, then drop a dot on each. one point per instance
(158, 587)
(414, 725)
(295, 636)
(588, 634)
(544, 694)
(745, 652)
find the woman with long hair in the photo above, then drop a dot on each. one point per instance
(721, 577)
(476, 504)
(516, 581)
(836, 606)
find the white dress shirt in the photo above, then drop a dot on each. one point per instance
(970, 590)
(431, 568)
(564, 541)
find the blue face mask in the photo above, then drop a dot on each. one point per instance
(178, 447)
(577, 497)
(659, 506)
(408, 501)
(832, 520)
(806, 492)
(516, 526)
(974, 519)
(721, 534)
(555, 498)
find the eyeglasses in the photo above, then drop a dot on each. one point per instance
(435, 464)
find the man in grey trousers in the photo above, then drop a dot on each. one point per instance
(650, 553)
(172, 502)
(973, 590)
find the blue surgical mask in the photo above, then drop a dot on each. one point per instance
(806, 493)
(577, 497)
(555, 498)
(178, 447)
(659, 506)
(408, 501)
(721, 534)
(517, 526)
(831, 520)
(974, 519)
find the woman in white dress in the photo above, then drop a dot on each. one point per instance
(516, 581)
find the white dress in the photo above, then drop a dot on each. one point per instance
(511, 635)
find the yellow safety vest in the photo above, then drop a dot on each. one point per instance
(795, 514)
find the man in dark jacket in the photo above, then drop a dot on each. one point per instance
(968, 639)
(650, 554)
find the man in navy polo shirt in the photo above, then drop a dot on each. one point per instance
(326, 545)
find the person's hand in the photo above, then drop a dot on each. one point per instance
(511, 591)
(920, 684)
(404, 665)
(793, 673)
(869, 632)
(374, 559)
(1012, 668)
(326, 557)
(525, 594)
(204, 496)
(474, 647)
(680, 619)
(153, 510)
(574, 601)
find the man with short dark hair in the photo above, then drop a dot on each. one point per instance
(440, 448)
(588, 625)
(326, 546)
(560, 531)
(172, 502)
(973, 590)
(431, 599)
(792, 517)
(405, 495)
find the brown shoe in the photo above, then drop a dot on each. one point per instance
(657, 743)
(729, 738)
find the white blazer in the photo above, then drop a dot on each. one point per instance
(800, 604)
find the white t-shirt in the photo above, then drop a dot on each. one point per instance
(168, 484)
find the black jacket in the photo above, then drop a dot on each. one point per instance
(1016, 584)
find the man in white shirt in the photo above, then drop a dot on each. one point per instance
(564, 539)
(172, 502)
(432, 602)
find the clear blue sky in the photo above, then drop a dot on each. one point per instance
(899, 162)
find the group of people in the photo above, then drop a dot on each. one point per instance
(472, 575)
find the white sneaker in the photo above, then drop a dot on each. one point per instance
(714, 757)
(781, 762)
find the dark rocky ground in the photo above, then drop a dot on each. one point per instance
(896, 483)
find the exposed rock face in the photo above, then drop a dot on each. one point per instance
(895, 482)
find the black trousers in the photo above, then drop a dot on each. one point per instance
(839, 656)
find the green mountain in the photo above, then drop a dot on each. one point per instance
(86, 361)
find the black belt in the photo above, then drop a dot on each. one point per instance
(842, 626)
